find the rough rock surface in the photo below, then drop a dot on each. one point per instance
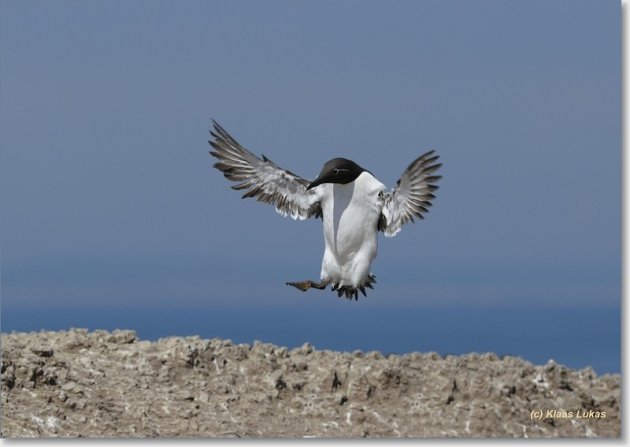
(102, 384)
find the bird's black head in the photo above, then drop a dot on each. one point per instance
(337, 170)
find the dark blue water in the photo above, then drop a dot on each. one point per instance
(575, 337)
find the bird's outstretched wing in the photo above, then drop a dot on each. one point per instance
(263, 179)
(412, 195)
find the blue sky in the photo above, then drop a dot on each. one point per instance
(110, 205)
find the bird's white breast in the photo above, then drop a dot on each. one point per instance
(351, 214)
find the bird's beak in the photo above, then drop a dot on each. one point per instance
(313, 184)
(318, 181)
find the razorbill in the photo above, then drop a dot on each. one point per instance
(352, 203)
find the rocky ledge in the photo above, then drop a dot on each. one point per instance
(110, 384)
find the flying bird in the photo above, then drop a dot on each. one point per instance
(352, 203)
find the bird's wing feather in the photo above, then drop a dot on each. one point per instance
(412, 195)
(263, 179)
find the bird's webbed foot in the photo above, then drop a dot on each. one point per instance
(353, 292)
(307, 284)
